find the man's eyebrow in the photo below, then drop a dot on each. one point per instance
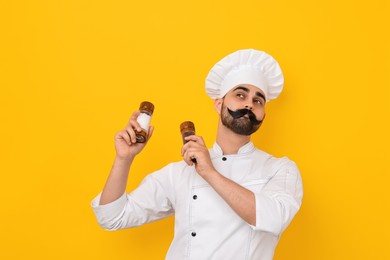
(259, 94)
(242, 88)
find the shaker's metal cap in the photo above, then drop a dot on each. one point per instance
(147, 106)
(187, 125)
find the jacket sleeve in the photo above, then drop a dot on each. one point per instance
(149, 202)
(280, 199)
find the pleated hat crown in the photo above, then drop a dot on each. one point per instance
(249, 66)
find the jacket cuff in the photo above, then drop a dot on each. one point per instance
(108, 211)
(268, 215)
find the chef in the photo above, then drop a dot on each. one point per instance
(236, 200)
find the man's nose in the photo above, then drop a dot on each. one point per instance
(248, 107)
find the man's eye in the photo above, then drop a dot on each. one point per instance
(259, 101)
(240, 95)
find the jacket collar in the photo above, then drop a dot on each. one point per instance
(246, 148)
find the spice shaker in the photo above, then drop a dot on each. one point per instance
(146, 108)
(187, 128)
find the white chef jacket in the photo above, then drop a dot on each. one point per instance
(205, 225)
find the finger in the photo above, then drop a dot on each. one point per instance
(195, 138)
(133, 123)
(135, 115)
(130, 131)
(201, 141)
(190, 156)
(188, 145)
(185, 147)
(150, 132)
(188, 159)
(124, 136)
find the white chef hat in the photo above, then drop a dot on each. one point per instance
(245, 67)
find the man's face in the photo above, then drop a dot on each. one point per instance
(243, 109)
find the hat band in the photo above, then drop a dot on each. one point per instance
(243, 75)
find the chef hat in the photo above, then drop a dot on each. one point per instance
(245, 67)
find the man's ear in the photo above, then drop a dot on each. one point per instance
(218, 105)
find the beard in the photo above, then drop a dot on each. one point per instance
(238, 123)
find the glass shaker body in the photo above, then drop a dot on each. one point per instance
(146, 108)
(187, 128)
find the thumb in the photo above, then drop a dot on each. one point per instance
(150, 132)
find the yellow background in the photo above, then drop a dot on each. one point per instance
(72, 72)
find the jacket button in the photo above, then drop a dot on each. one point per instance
(193, 234)
(195, 197)
(224, 159)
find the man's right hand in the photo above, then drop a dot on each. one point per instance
(126, 145)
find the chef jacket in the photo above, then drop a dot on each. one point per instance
(206, 227)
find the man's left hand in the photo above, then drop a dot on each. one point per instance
(195, 148)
